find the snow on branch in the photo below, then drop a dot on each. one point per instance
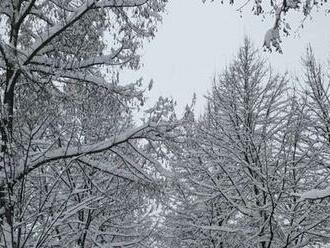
(120, 3)
(110, 59)
(71, 152)
(75, 16)
(58, 29)
(219, 228)
(106, 167)
(315, 194)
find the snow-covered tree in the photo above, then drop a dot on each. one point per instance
(74, 168)
(245, 164)
(316, 83)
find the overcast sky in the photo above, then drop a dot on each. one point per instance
(197, 40)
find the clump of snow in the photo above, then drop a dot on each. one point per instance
(272, 39)
(315, 194)
(294, 4)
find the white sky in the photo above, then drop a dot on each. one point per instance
(197, 40)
